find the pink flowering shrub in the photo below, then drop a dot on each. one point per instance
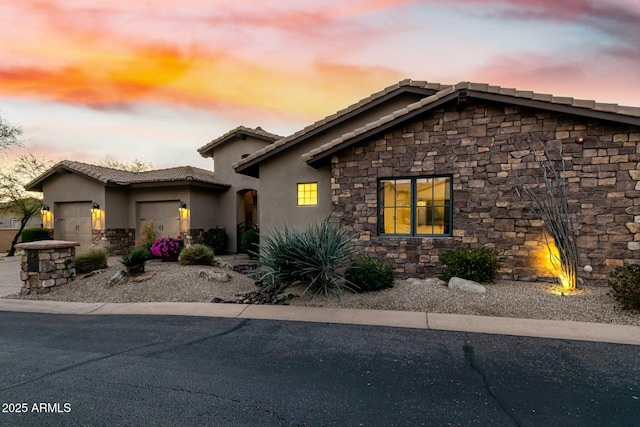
(167, 248)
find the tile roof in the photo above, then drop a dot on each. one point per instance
(480, 88)
(118, 177)
(240, 130)
(407, 83)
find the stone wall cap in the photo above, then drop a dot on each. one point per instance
(47, 244)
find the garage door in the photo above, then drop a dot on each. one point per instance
(165, 217)
(73, 223)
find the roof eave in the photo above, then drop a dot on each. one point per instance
(324, 157)
(248, 167)
(556, 107)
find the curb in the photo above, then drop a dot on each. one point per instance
(553, 329)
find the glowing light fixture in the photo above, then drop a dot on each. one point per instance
(44, 209)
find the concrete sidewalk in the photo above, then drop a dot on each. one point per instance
(568, 330)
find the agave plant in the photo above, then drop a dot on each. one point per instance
(316, 257)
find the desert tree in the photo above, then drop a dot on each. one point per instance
(9, 135)
(13, 196)
(550, 203)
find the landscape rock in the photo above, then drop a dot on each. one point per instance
(144, 277)
(218, 262)
(118, 277)
(458, 284)
(214, 275)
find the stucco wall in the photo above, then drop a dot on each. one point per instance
(68, 187)
(116, 208)
(486, 148)
(225, 155)
(280, 174)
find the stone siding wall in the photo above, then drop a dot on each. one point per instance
(116, 240)
(487, 149)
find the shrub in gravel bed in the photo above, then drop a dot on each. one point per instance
(216, 239)
(250, 243)
(625, 285)
(135, 260)
(90, 260)
(370, 274)
(315, 257)
(197, 255)
(478, 264)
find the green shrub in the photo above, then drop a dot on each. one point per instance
(135, 260)
(216, 239)
(250, 243)
(90, 260)
(314, 257)
(625, 285)
(197, 255)
(370, 274)
(35, 234)
(477, 264)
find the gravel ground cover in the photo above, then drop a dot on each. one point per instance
(172, 282)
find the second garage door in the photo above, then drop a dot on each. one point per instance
(165, 217)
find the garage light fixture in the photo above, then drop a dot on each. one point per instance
(182, 205)
(44, 209)
(94, 205)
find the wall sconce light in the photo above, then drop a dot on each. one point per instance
(95, 209)
(182, 205)
(44, 209)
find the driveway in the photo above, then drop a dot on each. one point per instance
(9, 275)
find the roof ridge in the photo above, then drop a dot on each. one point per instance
(478, 87)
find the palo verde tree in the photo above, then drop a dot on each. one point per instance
(550, 203)
(13, 196)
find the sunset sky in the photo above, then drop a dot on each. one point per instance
(156, 79)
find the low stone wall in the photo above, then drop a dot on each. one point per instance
(47, 263)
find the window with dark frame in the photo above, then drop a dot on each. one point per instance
(417, 206)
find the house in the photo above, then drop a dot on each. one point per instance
(441, 171)
(415, 169)
(10, 224)
(99, 206)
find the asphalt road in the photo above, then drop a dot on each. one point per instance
(169, 371)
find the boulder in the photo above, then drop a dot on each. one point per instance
(218, 262)
(214, 275)
(465, 285)
(118, 277)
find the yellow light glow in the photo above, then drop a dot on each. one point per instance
(184, 213)
(97, 216)
(550, 258)
(47, 219)
(308, 194)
